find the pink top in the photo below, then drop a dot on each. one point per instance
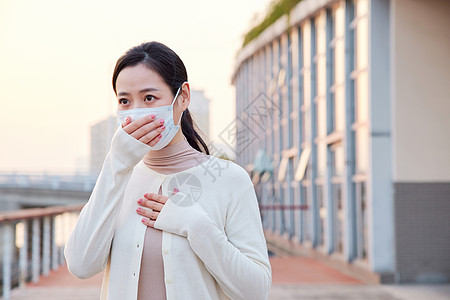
(171, 159)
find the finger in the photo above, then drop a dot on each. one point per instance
(149, 131)
(153, 137)
(156, 197)
(152, 204)
(155, 140)
(126, 122)
(148, 222)
(175, 190)
(147, 213)
(135, 125)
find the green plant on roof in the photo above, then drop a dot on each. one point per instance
(277, 9)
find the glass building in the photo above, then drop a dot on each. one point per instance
(342, 121)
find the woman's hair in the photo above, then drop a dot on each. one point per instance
(164, 61)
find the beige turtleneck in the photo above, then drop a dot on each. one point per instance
(168, 160)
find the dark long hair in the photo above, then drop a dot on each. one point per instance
(164, 61)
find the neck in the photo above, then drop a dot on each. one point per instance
(176, 139)
(175, 157)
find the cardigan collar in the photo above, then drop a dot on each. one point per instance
(174, 158)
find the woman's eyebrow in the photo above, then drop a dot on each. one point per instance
(148, 90)
(140, 92)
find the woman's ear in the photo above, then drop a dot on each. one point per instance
(185, 95)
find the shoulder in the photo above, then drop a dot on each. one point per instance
(227, 172)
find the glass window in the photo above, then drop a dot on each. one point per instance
(307, 213)
(282, 169)
(338, 159)
(338, 217)
(362, 149)
(322, 214)
(361, 213)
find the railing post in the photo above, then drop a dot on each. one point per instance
(23, 260)
(55, 251)
(46, 247)
(36, 240)
(7, 259)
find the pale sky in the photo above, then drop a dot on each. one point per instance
(57, 58)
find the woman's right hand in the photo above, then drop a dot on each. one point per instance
(146, 129)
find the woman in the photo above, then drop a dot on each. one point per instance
(165, 220)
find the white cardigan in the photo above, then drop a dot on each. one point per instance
(213, 243)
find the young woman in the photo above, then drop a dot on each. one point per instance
(166, 220)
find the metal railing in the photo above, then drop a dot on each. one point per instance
(32, 242)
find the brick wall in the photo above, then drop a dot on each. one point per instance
(422, 221)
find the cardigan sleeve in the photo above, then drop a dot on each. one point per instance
(237, 255)
(88, 247)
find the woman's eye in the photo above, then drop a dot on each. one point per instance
(149, 98)
(123, 101)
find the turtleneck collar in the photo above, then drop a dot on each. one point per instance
(174, 158)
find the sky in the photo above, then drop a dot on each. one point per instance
(57, 59)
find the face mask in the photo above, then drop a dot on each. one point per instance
(162, 112)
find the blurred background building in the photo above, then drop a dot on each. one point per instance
(342, 113)
(103, 131)
(101, 136)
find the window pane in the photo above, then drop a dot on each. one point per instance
(362, 149)
(338, 160)
(338, 218)
(322, 214)
(361, 211)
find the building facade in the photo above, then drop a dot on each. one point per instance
(342, 116)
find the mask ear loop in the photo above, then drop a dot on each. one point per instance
(176, 96)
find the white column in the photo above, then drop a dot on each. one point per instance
(55, 252)
(46, 247)
(7, 259)
(36, 240)
(23, 260)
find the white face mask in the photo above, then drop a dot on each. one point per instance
(161, 112)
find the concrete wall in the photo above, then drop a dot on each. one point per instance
(421, 90)
(421, 138)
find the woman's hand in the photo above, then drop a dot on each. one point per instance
(146, 129)
(154, 202)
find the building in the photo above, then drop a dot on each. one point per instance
(342, 115)
(103, 131)
(199, 109)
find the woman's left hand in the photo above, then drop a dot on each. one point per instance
(156, 203)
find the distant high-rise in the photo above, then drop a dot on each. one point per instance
(199, 109)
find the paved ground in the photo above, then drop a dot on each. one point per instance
(359, 292)
(293, 278)
(61, 285)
